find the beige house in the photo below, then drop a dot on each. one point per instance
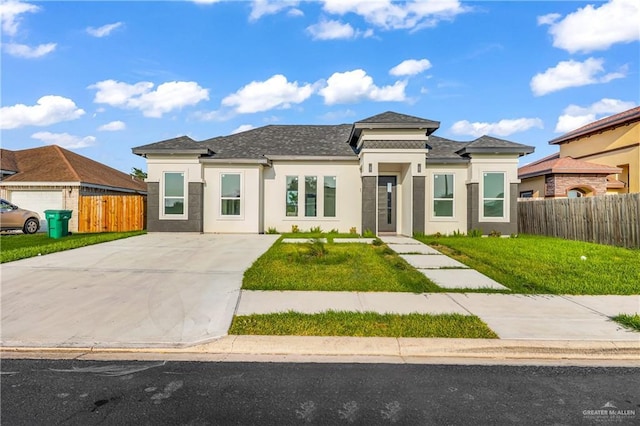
(385, 174)
(600, 158)
(53, 178)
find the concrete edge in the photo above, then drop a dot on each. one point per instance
(370, 349)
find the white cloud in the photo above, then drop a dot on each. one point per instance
(410, 67)
(295, 12)
(390, 15)
(260, 8)
(276, 92)
(113, 126)
(242, 128)
(331, 30)
(104, 30)
(572, 74)
(48, 110)
(501, 128)
(24, 51)
(153, 103)
(353, 86)
(10, 12)
(575, 116)
(65, 140)
(595, 28)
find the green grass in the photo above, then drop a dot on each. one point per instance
(362, 324)
(344, 267)
(20, 246)
(546, 265)
(328, 235)
(629, 321)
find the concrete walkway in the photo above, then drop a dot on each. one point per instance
(159, 289)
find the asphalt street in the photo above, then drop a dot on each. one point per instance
(48, 392)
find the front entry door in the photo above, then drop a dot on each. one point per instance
(386, 204)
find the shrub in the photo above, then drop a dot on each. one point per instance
(334, 231)
(316, 230)
(295, 229)
(475, 233)
(458, 233)
(495, 234)
(272, 230)
(316, 248)
(377, 242)
(368, 233)
(353, 230)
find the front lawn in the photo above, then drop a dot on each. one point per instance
(362, 324)
(334, 267)
(539, 265)
(20, 246)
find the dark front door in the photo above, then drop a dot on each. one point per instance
(386, 204)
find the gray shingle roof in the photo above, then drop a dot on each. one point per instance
(445, 150)
(390, 117)
(174, 145)
(284, 140)
(490, 144)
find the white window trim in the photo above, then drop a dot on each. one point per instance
(334, 217)
(285, 198)
(185, 215)
(302, 194)
(505, 200)
(220, 197)
(433, 199)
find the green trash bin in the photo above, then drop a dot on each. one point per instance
(58, 222)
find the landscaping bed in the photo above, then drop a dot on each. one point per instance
(545, 265)
(362, 324)
(21, 246)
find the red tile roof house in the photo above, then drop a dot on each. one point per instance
(53, 178)
(385, 174)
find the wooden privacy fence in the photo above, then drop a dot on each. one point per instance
(610, 219)
(111, 213)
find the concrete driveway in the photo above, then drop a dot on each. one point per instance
(160, 289)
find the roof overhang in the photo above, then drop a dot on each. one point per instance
(604, 127)
(184, 151)
(248, 161)
(436, 160)
(357, 128)
(312, 157)
(63, 185)
(523, 150)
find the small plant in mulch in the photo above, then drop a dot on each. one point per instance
(316, 248)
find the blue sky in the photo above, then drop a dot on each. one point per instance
(102, 77)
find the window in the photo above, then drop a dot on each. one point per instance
(173, 195)
(310, 195)
(329, 196)
(292, 195)
(230, 194)
(493, 194)
(526, 194)
(575, 193)
(443, 195)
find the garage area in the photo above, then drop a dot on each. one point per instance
(38, 201)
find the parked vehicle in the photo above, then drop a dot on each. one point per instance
(13, 217)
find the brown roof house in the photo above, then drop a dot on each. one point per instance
(600, 158)
(53, 178)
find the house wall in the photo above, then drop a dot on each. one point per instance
(535, 184)
(348, 195)
(559, 184)
(458, 222)
(190, 166)
(249, 220)
(480, 164)
(616, 147)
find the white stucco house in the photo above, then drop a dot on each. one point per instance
(386, 174)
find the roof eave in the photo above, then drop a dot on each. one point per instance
(573, 135)
(437, 160)
(166, 151)
(523, 150)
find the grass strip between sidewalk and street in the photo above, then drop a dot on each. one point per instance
(362, 324)
(546, 265)
(334, 267)
(21, 246)
(629, 321)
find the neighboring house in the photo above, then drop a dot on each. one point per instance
(600, 158)
(385, 174)
(53, 178)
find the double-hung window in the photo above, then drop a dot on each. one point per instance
(173, 195)
(230, 194)
(329, 196)
(443, 195)
(493, 185)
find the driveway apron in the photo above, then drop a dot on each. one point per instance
(154, 290)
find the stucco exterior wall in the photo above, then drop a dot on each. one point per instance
(535, 184)
(348, 195)
(250, 183)
(615, 148)
(458, 222)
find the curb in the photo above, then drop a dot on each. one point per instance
(353, 349)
